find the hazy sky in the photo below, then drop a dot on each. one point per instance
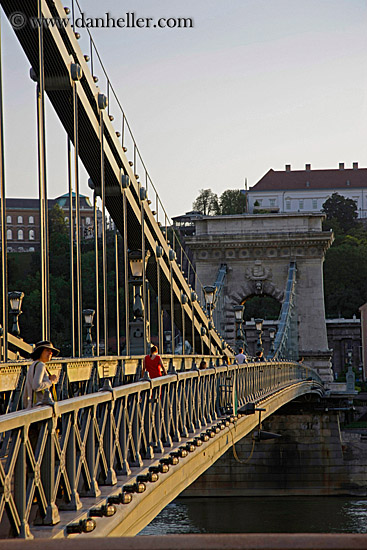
(256, 84)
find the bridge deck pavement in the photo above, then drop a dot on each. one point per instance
(131, 518)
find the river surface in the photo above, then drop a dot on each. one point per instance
(261, 515)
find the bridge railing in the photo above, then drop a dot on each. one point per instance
(50, 457)
(80, 376)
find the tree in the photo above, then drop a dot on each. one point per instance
(340, 211)
(207, 202)
(232, 201)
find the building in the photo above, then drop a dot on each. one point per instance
(291, 191)
(22, 221)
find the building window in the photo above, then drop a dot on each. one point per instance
(20, 249)
(87, 221)
(31, 219)
(271, 202)
(8, 219)
(314, 204)
(20, 219)
(287, 204)
(307, 184)
(31, 234)
(300, 204)
(20, 234)
(31, 249)
(9, 235)
(66, 219)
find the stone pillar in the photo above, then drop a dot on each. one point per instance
(363, 310)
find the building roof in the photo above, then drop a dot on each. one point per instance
(33, 204)
(312, 179)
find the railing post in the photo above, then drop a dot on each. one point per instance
(136, 433)
(71, 461)
(94, 490)
(124, 436)
(108, 444)
(20, 487)
(167, 414)
(156, 398)
(48, 474)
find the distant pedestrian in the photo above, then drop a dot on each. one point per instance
(260, 356)
(224, 361)
(153, 364)
(202, 365)
(241, 357)
(39, 380)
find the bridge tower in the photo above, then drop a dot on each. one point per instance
(258, 250)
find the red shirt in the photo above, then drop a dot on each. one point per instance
(152, 366)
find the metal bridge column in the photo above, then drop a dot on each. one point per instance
(45, 290)
(71, 243)
(4, 272)
(102, 104)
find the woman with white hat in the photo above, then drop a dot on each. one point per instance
(39, 380)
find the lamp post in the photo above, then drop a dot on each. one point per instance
(15, 298)
(259, 344)
(240, 335)
(193, 298)
(350, 376)
(272, 338)
(184, 300)
(203, 333)
(88, 315)
(210, 295)
(138, 332)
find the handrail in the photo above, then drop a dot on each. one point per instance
(58, 453)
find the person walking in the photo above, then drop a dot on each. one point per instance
(241, 357)
(39, 380)
(153, 364)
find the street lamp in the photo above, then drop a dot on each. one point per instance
(184, 301)
(210, 295)
(88, 321)
(138, 333)
(15, 299)
(272, 338)
(240, 335)
(350, 376)
(193, 298)
(203, 333)
(259, 344)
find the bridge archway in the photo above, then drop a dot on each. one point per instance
(257, 250)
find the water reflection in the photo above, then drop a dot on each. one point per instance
(261, 515)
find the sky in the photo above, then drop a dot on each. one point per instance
(254, 85)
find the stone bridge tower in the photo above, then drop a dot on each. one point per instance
(258, 250)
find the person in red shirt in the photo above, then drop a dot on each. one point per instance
(153, 364)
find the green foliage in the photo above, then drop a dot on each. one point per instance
(206, 202)
(341, 213)
(264, 307)
(232, 201)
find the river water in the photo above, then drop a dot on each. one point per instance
(261, 515)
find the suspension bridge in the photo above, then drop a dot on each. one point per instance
(117, 447)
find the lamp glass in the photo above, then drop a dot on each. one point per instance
(88, 316)
(209, 292)
(259, 324)
(15, 299)
(238, 313)
(136, 267)
(272, 333)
